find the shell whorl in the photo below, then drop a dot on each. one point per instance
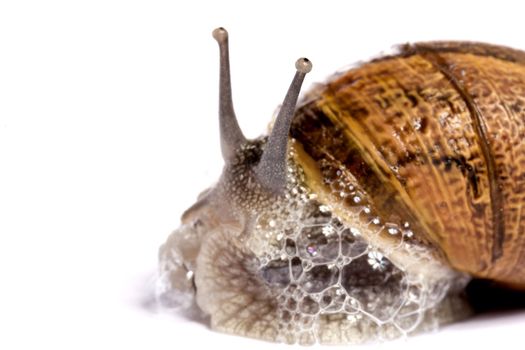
(433, 135)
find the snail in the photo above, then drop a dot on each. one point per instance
(370, 205)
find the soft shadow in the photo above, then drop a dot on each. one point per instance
(488, 297)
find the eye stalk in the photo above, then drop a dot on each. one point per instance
(231, 135)
(271, 170)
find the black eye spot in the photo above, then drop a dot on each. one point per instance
(197, 224)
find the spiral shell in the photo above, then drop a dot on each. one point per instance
(434, 136)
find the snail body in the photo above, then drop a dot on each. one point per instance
(368, 208)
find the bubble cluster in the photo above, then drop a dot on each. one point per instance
(306, 267)
(336, 284)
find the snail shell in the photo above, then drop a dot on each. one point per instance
(368, 208)
(433, 135)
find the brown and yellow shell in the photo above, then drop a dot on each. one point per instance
(434, 135)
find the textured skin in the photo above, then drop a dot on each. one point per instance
(434, 137)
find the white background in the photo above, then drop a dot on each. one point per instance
(108, 131)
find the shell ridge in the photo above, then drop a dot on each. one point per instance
(480, 128)
(437, 178)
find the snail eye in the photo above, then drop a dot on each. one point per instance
(197, 224)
